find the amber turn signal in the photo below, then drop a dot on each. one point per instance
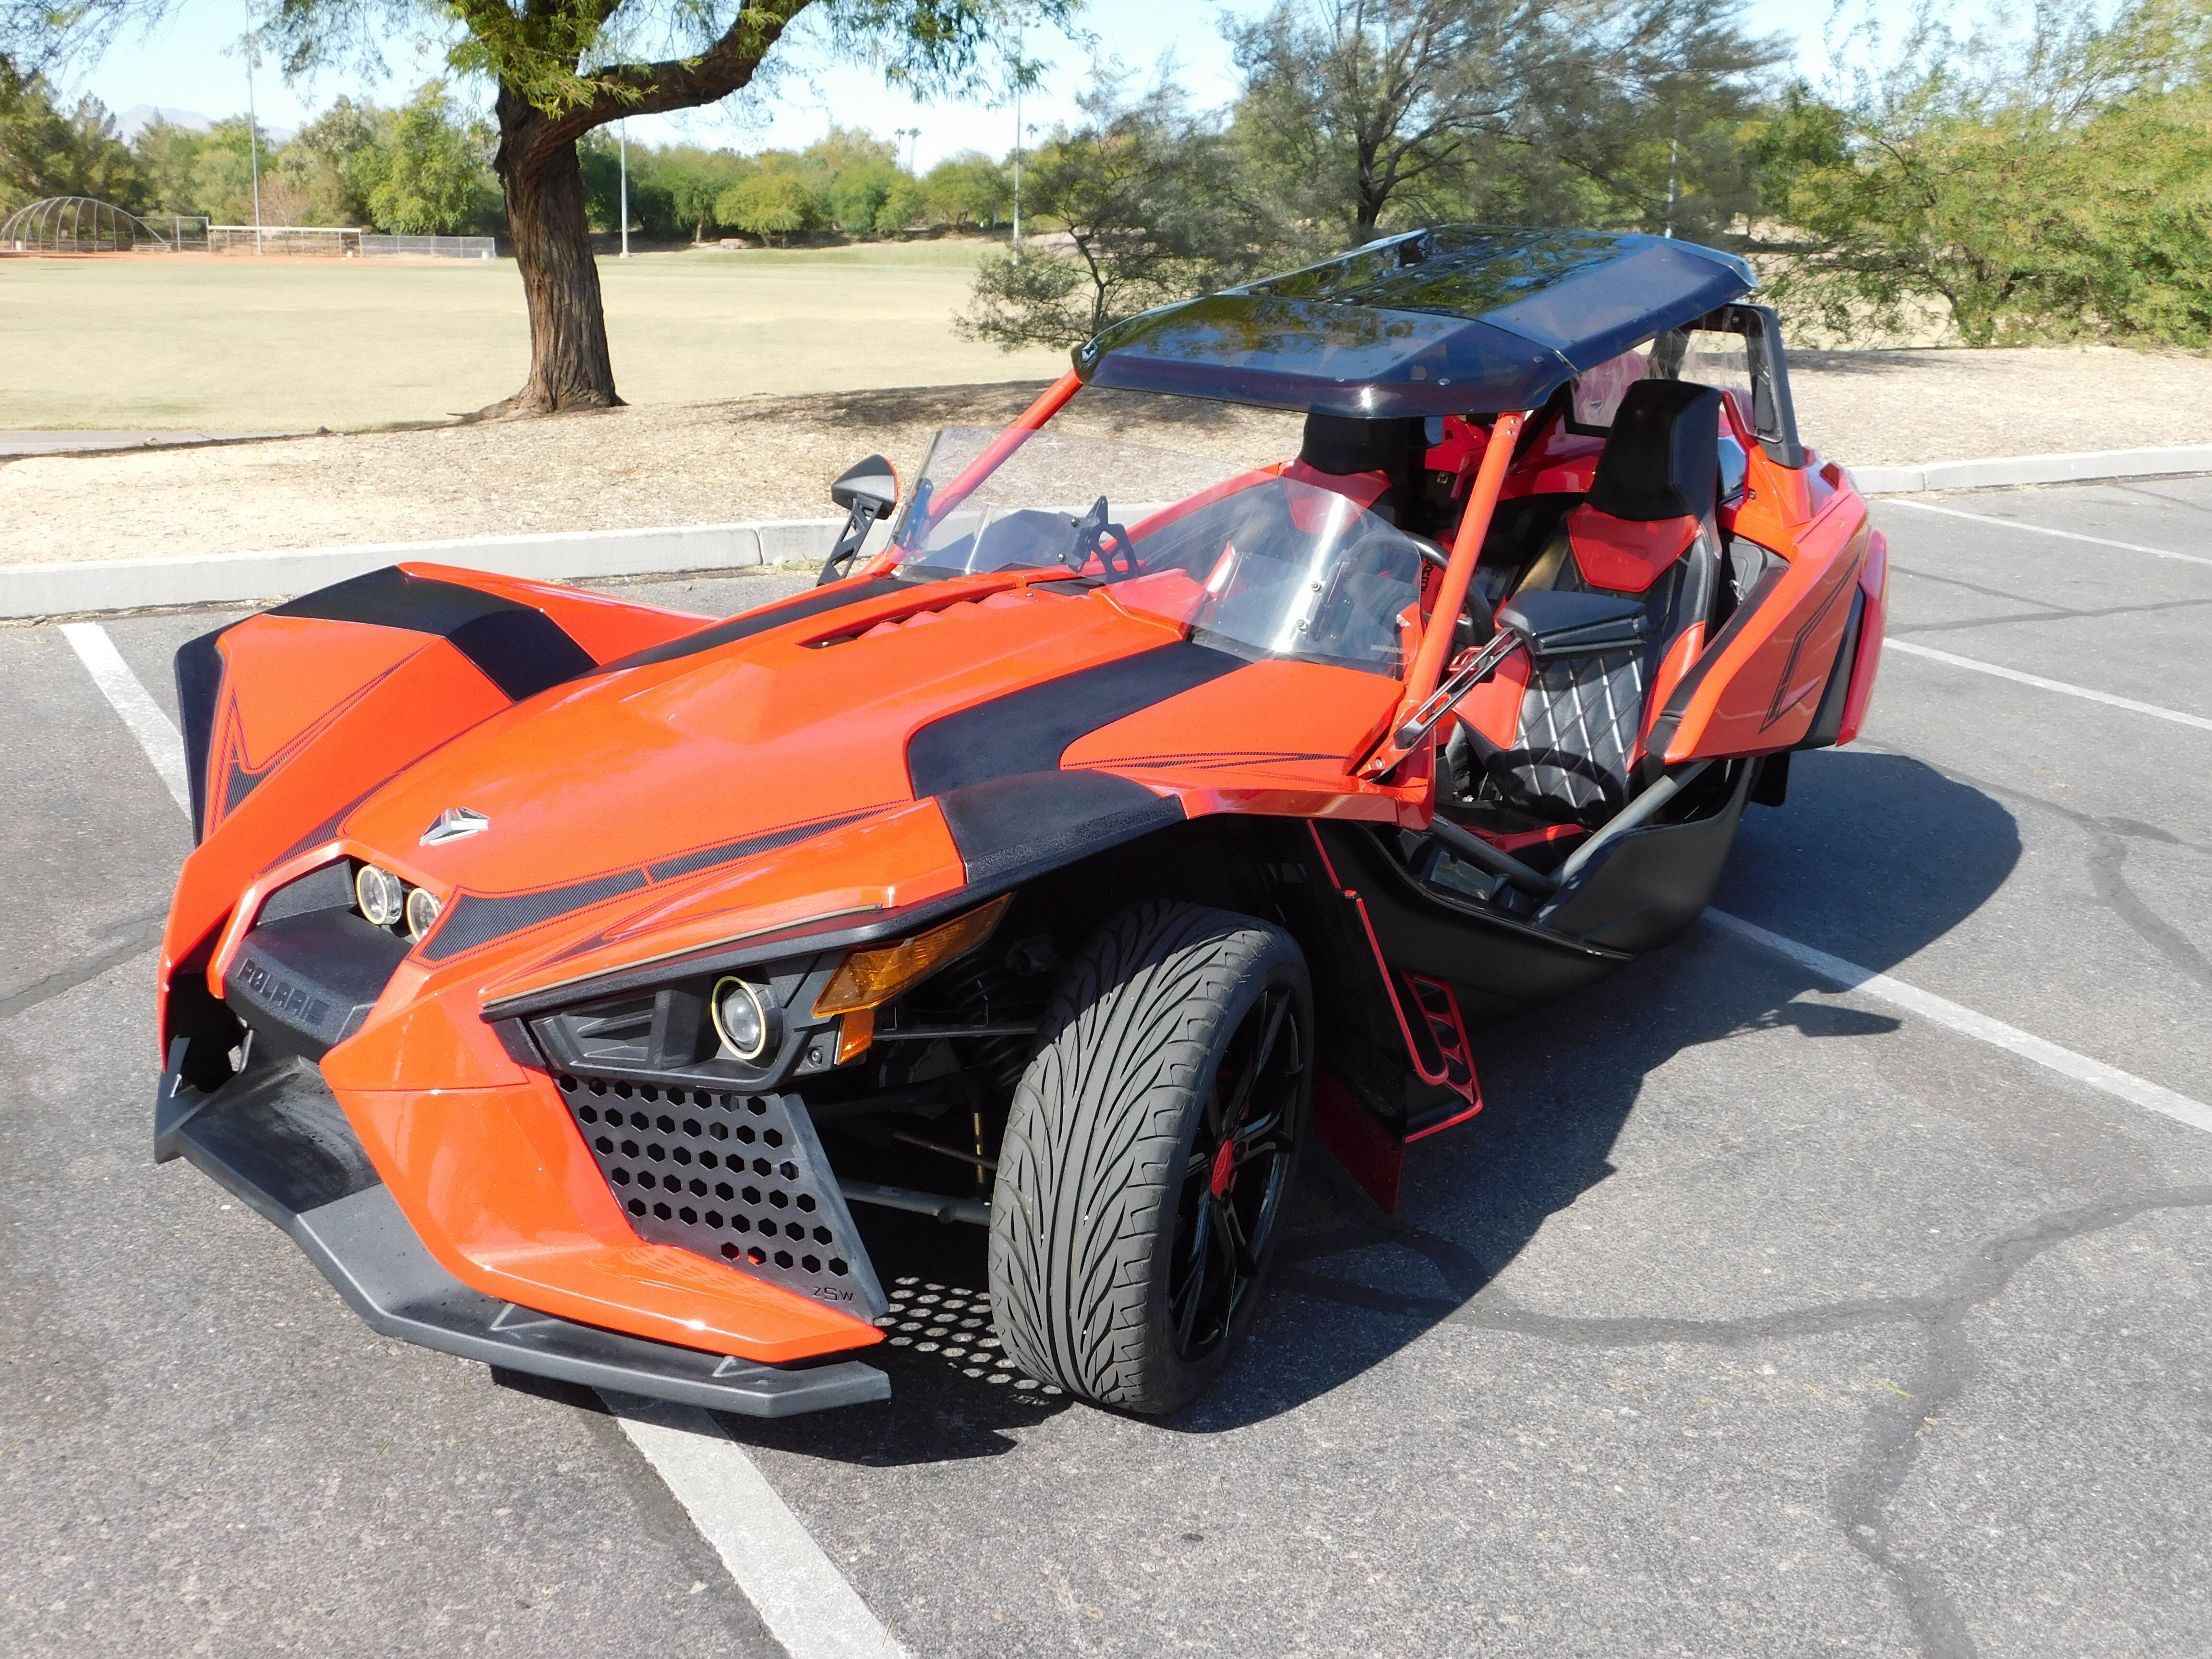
(868, 978)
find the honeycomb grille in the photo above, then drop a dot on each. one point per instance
(739, 1179)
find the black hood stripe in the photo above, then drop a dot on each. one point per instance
(1029, 730)
(835, 597)
(520, 650)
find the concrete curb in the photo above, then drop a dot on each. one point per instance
(60, 590)
(52, 590)
(2000, 472)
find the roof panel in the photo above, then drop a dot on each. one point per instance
(1460, 319)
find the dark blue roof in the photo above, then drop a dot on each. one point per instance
(1456, 320)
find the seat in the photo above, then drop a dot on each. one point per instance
(1559, 741)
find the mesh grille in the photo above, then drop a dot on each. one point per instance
(736, 1178)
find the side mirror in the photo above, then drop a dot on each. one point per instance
(1552, 623)
(874, 480)
(866, 492)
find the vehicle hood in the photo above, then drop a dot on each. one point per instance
(639, 775)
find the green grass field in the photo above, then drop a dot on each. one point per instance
(237, 344)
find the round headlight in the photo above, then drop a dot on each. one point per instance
(742, 1018)
(381, 895)
(421, 911)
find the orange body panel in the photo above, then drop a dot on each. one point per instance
(612, 793)
(505, 1194)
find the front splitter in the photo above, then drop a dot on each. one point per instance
(275, 1137)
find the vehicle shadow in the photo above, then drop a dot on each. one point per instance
(1875, 856)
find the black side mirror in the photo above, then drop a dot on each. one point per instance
(866, 492)
(1552, 623)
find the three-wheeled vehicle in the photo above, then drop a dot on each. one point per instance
(574, 979)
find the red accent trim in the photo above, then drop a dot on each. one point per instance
(1624, 555)
(1439, 1008)
(1460, 1086)
(1374, 1156)
(1544, 837)
(1397, 1008)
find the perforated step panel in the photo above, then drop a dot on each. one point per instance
(739, 1179)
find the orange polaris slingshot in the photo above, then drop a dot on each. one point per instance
(581, 983)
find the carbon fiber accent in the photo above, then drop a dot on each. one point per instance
(739, 1179)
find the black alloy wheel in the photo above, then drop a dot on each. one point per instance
(1233, 1184)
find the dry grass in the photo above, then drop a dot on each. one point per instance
(773, 457)
(243, 345)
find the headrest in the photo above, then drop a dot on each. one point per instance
(1342, 444)
(1661, 459)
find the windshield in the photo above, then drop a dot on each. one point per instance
(1261, 562)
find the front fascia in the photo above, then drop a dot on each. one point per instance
(499, 1185)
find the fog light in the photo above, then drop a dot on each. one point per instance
(742, 1018)
(381, 895)
(422, 908)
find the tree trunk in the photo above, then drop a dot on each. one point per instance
(569, 367)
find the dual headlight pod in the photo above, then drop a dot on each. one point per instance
(386, 901)
(750, 1022)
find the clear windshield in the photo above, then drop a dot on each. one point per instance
(1251, 561)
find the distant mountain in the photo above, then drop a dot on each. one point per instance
(136, 119)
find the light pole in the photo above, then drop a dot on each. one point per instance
(912, 136)
(622, 147)
(1021, 26)
(252, 130)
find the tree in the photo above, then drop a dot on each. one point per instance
(695, 180)
(337, 159)
(770, 204)
(220, 183)
(435, 181)
(2057, 184)
(967, 189)
(1352, 108)
(857, 194)
(563, 68)
(1142, 196)
(45, 150)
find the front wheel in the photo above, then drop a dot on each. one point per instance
(1149, 1153)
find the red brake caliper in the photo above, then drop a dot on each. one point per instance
(1222, 1162)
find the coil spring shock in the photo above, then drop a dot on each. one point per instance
(982, 994)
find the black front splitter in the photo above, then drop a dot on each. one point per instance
(275, 1137)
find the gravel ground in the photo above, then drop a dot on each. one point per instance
(773, 457)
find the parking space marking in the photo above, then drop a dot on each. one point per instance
(805, 1602)
(808, 1604)
(140, 713)
(2045, 530)
(1940, 1011)
(2042, 684)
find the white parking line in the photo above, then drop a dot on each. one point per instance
(2124, 1086)
(806, 1603)
(2045, 530)
(2042, 684)
(140, 713)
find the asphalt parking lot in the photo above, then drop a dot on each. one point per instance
(1754, 1316)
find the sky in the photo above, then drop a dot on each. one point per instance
(192, 61)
